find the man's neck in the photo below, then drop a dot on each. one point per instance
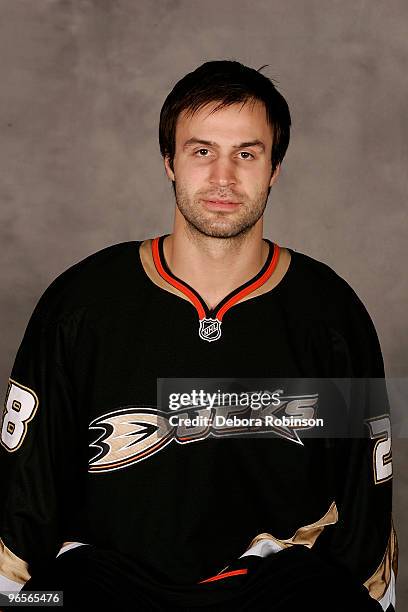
(215, 267)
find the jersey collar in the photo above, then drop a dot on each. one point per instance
(195, 298)
(152, 258)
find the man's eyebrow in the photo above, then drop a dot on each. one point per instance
(249, 143)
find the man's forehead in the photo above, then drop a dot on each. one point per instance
(247, 121)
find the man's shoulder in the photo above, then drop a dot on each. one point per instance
(323, 292)
(332, 303)
(100, 276)
(320, 279)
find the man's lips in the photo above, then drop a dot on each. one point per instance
(221, 204)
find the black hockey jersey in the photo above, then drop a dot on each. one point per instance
(88, 455)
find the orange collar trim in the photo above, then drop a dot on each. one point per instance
(210, 319)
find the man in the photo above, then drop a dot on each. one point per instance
(116, 497)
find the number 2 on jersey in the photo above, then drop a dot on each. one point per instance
(380, 430)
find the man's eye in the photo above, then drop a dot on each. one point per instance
(246, 153)
(205, 152)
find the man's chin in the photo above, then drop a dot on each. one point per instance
(219, 232)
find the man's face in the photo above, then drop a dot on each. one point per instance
(222, 168)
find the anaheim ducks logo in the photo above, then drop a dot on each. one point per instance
(129, 435)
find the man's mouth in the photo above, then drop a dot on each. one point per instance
(221, 204)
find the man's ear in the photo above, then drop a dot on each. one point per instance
(169, 171)
(275, 175)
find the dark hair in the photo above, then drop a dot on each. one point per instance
(228, 82)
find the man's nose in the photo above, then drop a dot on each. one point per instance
(223, 172)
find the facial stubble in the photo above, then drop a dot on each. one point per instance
(219, 224)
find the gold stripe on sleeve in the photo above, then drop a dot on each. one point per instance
(306, 535)
(11, 566)
(378, 583)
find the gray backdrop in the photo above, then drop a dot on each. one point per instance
(82, 84)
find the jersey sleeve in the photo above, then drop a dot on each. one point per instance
(37, 432)
(364, 538)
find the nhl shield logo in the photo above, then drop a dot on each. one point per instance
(210, 329)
